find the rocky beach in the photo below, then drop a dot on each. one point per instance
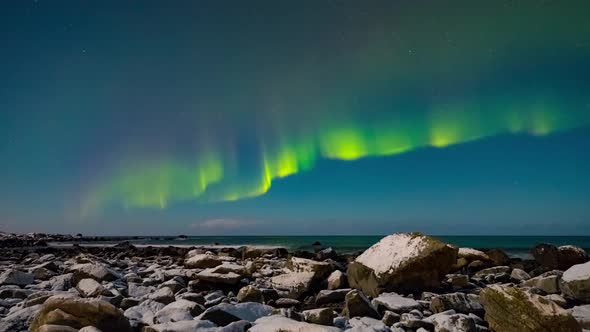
(405, 282)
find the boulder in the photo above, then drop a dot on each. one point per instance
(498, 257)
(182, 326)
(78, 313)
(519, 275)
(547, 282)
(210, 276)
(16, 277)
(395, 303)
(402, 262)
(89, 329)
(225, 313)
(471, 254)
(162, 295)
(293, 284)
(98, 272)
(178, 311)
(145, 312)
(202, 261)
(89, 287)
(137, 291)
(511, 309)
(56, 328)
(366, 324)
(459, 302)
(321, 316)
(319, 269)
(560, 258)
(575, 282)
(331, 296)
(19, 319)
(336, 280)
(582, 315)
(452, 322)
(358, 305)
(250, 294)
(278, 323)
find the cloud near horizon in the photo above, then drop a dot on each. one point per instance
(221, 224)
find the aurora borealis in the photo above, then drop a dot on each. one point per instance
(181, 112)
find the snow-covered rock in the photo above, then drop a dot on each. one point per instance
(293, 284)
(395, 302)
(405, 262)
(320, 269)
(575, 282)
(283, 324)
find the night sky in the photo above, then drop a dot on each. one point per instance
(295, 117)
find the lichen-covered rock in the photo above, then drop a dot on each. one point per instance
(575, 282)
(78, 313)
(250, 294)
(321, 316)
(510, 309)
(56, 328)
(402, 262)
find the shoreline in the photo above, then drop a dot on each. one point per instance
(405, 282)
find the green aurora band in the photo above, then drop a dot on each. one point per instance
(213, 177)
(465, 70)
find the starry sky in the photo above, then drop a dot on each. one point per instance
(295, 117)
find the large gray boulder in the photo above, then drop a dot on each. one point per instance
(511, 309)
(402, 262)
(575, 282)
(16, 277)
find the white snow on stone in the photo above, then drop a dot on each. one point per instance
(577, 272)
(470, 252)
(391, 252)
(280, 323)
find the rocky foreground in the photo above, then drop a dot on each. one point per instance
(406, 282)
